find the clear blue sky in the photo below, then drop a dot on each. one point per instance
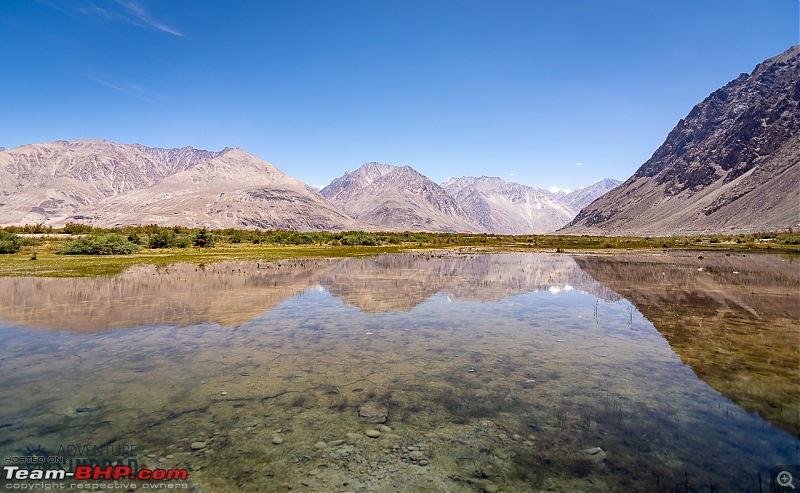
(452, 88)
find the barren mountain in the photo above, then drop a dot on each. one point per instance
(347, 187)
(580, 198)
(398, 199)
(46, 183)
(235, 189)
(108, 184)
(732, 165)
(508, 208)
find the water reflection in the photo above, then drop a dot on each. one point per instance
(732, 318)
(231, 293)
(493, 372)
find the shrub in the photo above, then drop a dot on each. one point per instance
(359, 238)
(36, 228)
(167, 238)
(9, 242)
(76, 228)
(203, 239)
(134, 237)
(100, 244)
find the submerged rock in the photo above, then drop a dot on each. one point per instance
(373, 413)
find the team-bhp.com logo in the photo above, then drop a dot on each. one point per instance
(113, 473)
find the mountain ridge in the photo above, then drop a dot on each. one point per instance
(397, 198)
(508, 208)
(108, 184)
(731, 165)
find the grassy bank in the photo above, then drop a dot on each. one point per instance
(78, 250)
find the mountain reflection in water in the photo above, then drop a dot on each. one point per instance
(735, 319)
(231, 293)
(499, 368)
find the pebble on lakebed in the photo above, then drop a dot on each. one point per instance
(373, 433)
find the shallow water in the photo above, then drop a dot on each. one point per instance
(498, 371)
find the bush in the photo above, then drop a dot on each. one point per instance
(134, 237)
(76, 228)
(203, 239)
(35, 229)
(167, 238)
(359, 238)
(100, 244)
(9, 242)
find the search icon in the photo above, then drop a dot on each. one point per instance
(785, 479)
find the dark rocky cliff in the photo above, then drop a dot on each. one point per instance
(731, 164)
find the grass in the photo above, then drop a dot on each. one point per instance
(231, 244)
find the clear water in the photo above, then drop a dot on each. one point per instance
(500, 370)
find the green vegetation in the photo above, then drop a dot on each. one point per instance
(9, 242)
(76, 228)
(123, 247)
(167, 238)
(100, 244)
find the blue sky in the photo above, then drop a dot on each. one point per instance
(543, 93)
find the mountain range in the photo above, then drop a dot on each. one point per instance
(107, 184)
(732, 165)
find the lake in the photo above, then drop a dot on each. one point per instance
(632, 371)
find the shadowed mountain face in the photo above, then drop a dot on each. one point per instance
(107, 184)
(732, 319)
(732, 165)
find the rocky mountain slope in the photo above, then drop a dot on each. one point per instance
(107, 184)
(397, 198)
(580, 198)
(508, 208)
(732, 165)
(51, 181)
